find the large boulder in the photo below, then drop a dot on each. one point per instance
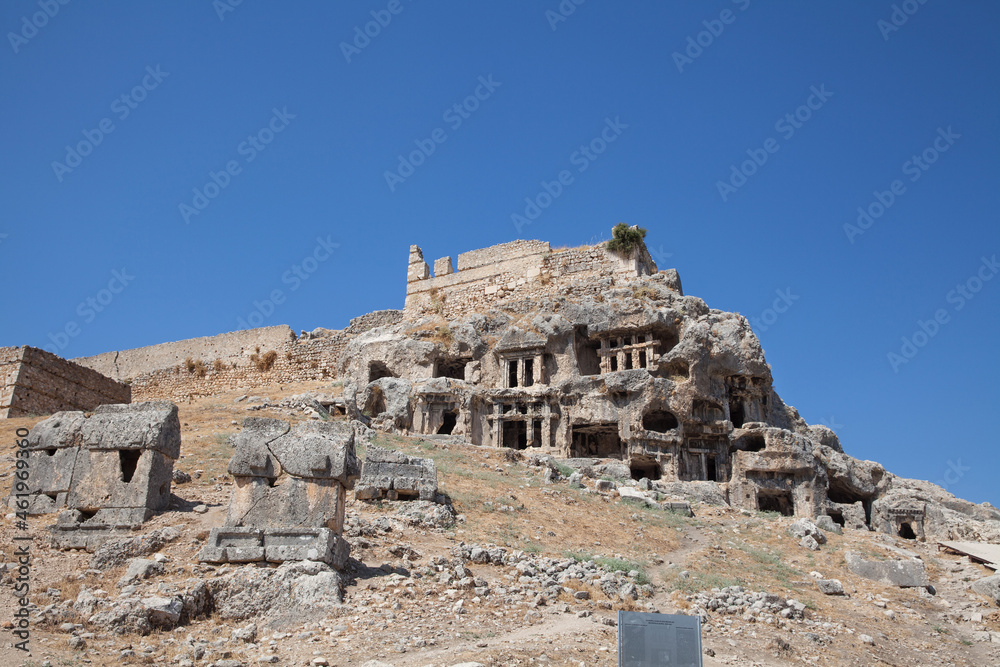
(989, 587)
(288, 596)
(909, 573)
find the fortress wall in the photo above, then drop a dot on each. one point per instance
(229, 347)
(315, 358)
(162, 371)
(501, 253)
(520, 270)
(10, 366)
(39, 382)
(378, 318)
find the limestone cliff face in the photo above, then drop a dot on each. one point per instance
(618, 363)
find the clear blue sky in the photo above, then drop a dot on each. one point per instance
(329, 121)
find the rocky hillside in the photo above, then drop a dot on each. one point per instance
(526, 562)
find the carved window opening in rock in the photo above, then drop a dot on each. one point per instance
(518, 424)
(703, 460)
(628, 352)
(454, 369)
(128, 459)
(514, 434)
(50, 452)
(598, 441)
(842, 494)
(375, 405)
(751, 443)
(736, 412)
(644, 469)
(707, 411)
(87, 515)
(524, 368)
(449, 419)
(660, 421)
(588, 360)
(838, 517)
(747, 399)
(666, 340)
(906, 531)
(776, 501)
(377, 370)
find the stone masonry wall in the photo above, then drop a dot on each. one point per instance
(10, 366)
(521, 270)
(503, 252)
(164, 372)
(233, 346)
(378, 318)
(505, 273)
(295, 361)
(39, 382)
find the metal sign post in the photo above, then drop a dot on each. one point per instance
(658, 640)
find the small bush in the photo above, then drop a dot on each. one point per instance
(195, 367)
(645, 292)
(622, 565)
(579, 556)
(437, 301)
(218, 366)
(625, 239)
(264, 362)
(443, 335)
(697, 582)
(531, 547)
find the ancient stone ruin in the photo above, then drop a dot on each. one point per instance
(590, 355)
(396, 476)
(587, 354)
(288, 503)
(111, 471)
(36, 382)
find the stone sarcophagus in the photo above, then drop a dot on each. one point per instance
(395, 476)
(288, 504)
(110, 471)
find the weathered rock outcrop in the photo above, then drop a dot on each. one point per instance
(288, 504)
(620, 365)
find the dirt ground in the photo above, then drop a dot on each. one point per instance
(396, 613)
